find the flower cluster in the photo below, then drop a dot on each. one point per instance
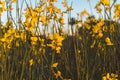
(111, 76)
(117, 11)
(108, 41)
(56, 42)
(2, 7)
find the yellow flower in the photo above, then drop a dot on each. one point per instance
(105, 2)
(17, 35)
(52, 45)
(69, 8)
(51, 8)
(98, 8)
(86, 26)
(58, 49)
(58, 10)
(23, 36)
(108, 41)
(114, 75)
(56, 18)
(93, 44)
(52, 0)
(42, 42)
(108, 76)
(3, 39)
(14, 1)
(56, 42)
(104, 78)
(61, 21)
(100, 35)
(11, 31)
(98, 27)
(34, 39)
(31, 62)
(84, 12)
(9, 46)
(54, 65)
(31, 18)
(117, 11)
(78, 51)
(58, 74)
(43, 19)
(38, 60)
(2, 7)
(38, 10)
(65, 3)
(17, 44)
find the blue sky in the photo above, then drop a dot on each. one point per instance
(78, 6)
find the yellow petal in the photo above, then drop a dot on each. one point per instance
(54, 65)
